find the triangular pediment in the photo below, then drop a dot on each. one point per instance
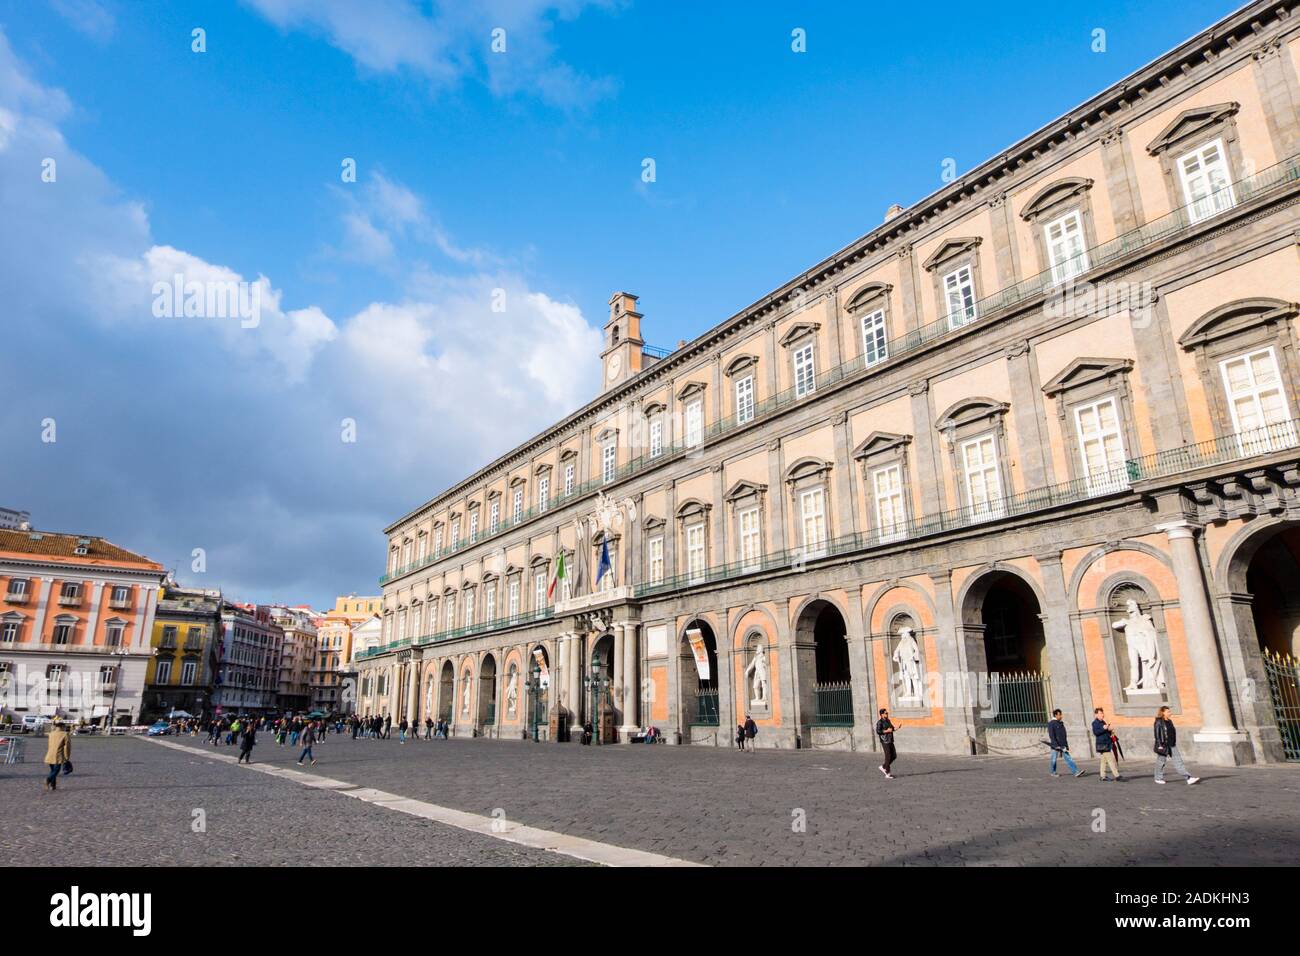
(878, 442)
(1189, 123)
(1083, 371)
(798, 331)
(950, 249)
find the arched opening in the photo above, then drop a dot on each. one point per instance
(1006, 608)
(822, 647)
(487, 691)
(1268, 565)
(600, 690)
(446, 692)
(698, 675)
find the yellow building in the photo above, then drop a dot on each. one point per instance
(186, 639)
(333, 654)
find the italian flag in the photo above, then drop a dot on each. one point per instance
(559, 575)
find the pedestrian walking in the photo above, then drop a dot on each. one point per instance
(1166, 747)
(751, 731)
(1101, 730)
(247, 741)
(428, 728)
(885, 731)
(401, 731)
(308, 738)
(740, 737)
(58, 754)
(388, 726)
(1060, 744)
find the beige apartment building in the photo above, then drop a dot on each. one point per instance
(1031, 442)
(332, 689)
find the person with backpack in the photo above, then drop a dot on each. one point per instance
(1166, 747)
(1101, 730)
(751, 731)
(1060, 744)
(885, 731)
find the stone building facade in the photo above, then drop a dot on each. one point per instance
(1030, 443)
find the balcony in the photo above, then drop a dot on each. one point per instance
(69, 600)
(1033, 291)
(482, 627)
(17, 597)
(120, 604)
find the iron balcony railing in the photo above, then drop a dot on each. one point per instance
(834, 704)
(1018, 699)
(1182, 220)
(1223, 449)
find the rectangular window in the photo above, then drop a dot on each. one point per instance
(656, 436)
(812, 510)
(169, 636)
(983, 480)
(695, 551)
(437, 541)
(455, 533)
(751, 544)
(164, 673)
(1065, 249)
(695, 422)
(517, 506)
(656, 560)
(1101, 446)
(568, 479)
(805, 371)
(959, 290)
(469, 608)
(494, 516)
(1260, 414)
(189, 670)
(62, 633)
(1207, 187)
(543, 492)
(539, 590)
(490, 602)
(745, 400)
(54, 674)
(514, 597)
(891, 509)
(9, 632)
(421, 548)
(473, 526)
(18, 588)
(451, 612)
(71, 591)
(121, 594)
(608, 461)
(874, 347)
(113, 635)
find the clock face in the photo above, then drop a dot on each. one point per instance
(615, 363)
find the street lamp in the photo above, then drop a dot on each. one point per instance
(120, 653)
(596, 683)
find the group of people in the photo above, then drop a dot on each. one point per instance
(1107, 743)
(381, 728)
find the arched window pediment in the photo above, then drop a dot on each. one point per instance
(1054, 193)
(869, 294)
(1236, 317)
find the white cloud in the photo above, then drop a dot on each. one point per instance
(452, 41)
(88, 17)
(183, 433)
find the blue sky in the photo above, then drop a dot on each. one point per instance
(476, 171)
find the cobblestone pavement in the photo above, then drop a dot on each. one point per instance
(699, 804)
(131, 802)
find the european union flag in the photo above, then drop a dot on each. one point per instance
(605, 563)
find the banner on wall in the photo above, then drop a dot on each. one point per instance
(541, 662)
(701, 651)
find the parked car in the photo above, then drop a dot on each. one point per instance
(34, 722)
(159, 728)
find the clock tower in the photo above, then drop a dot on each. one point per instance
(623, 342)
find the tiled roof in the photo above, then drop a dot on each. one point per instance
(47, 544)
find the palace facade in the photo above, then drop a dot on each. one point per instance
(1030, 443)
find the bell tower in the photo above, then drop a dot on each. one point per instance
(623, 342)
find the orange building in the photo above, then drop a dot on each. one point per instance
(76, 615)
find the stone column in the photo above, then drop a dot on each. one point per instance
(1031, 430)
(1218, 741)
(769, 360)
(1275, 76)
(1005, 254)
(670, 529)
(1066, 663)
(926, 464)
(831, 304)
(631, 719)
(616, 674)
(907, 290)
(718, 546)
(1121, 183)
(845, 512)
(413, 691)
(775, 495)
(958, 720)
(574, 680)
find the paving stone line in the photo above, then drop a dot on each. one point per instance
(590, 851)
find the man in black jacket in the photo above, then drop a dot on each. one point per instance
(1167, 747)
(1060, 744)
(885, 731)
